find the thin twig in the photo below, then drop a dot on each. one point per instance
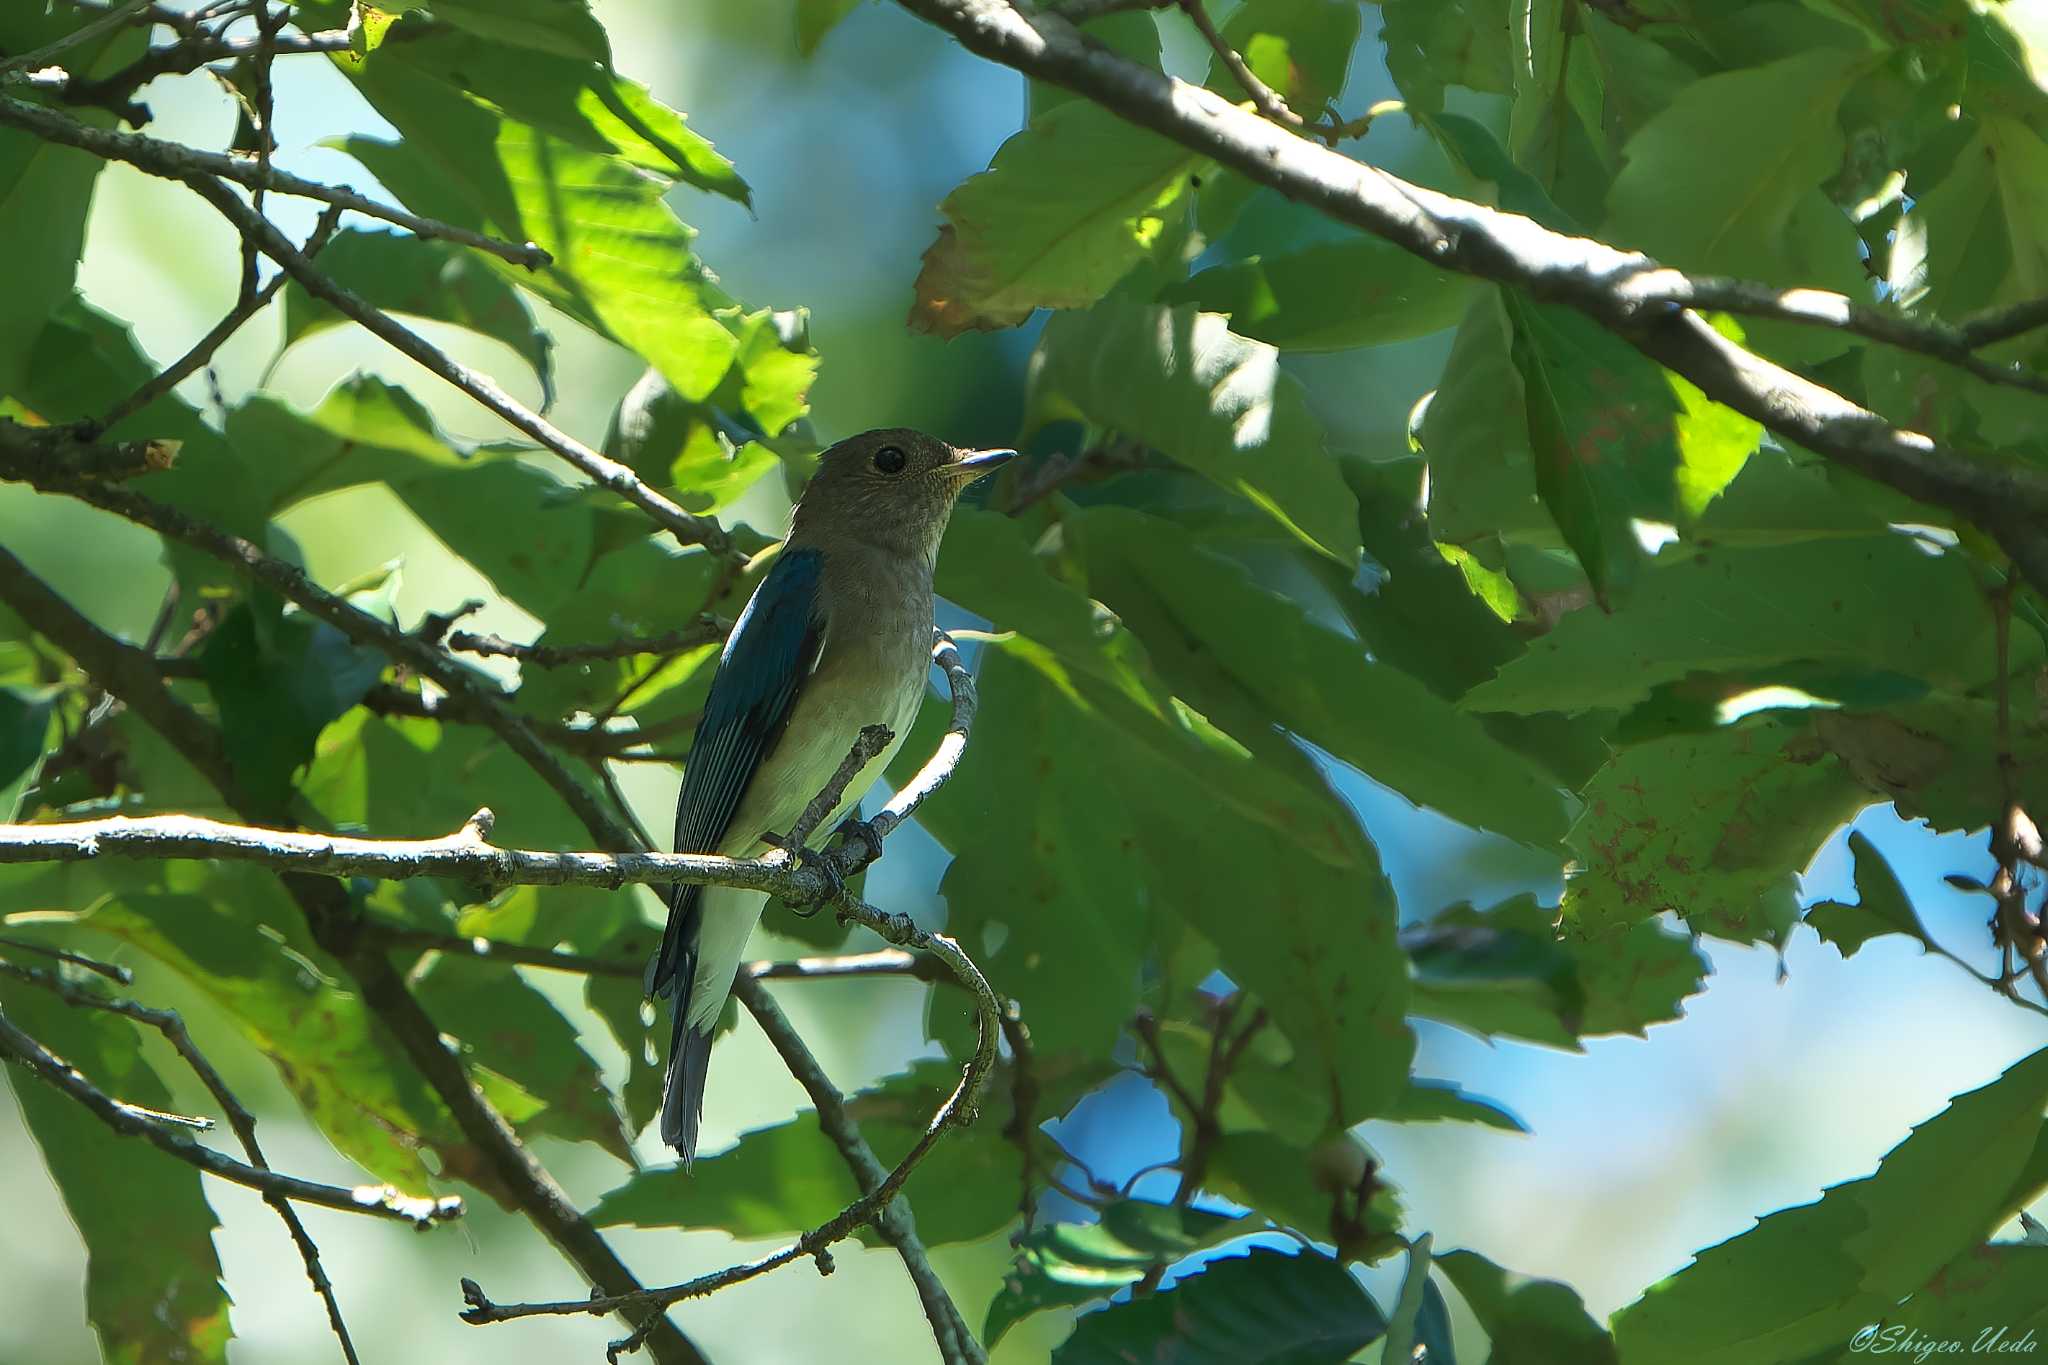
(174, 161)
(2004, 498)
(172, 1027)
(119, 17)
(602, 470)
(1264, 98)
(894, 1222)
(247, 306)
(708, 630)
(379, 1200)
(106, 969)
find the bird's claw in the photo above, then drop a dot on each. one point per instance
(853, 827)
(835, 884)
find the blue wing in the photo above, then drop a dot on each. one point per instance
(772, 650)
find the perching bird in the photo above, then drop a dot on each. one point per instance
(837, 636)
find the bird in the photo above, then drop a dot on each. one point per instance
(836, 637)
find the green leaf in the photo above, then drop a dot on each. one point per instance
(1329, 297)
(505, 1024)
(1430, 1101)
(1808, 1278)
(26, 717)
(1530, 1321)
(535, 75)
(786, 1178)
(1282, 1181)
(1065, 209)
(1882, 907)
(565, 28)
(1637, 978)
(45, 189)
(1990, 1296)
(279, 678)
(1299, 48)
(1714, 826)
(232, 936)
(1135, 818)
(1435, 43)
(1262, 1308)
(425, 278)
(1928, 756)
(1502, 972)
(1224, 639)
(1729, 608)
(622, 259)
(509, 519)
(1179, 381)
(1685, 202)
(152, 1277)
(1064, 1265)
(1615, 438)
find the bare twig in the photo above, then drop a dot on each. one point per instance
(867, 746)
(172, 1027)
(708, 630)
(379, 1200)
(26, 461)
(178, 162)
(2007, 501)
(894, 1222)
(247, 306)
(2002, 324)
(106, 969)
(130, 673)
(1264, 98)
(601, 469)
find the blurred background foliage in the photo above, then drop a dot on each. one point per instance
(1342, 608)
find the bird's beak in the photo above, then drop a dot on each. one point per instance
(972, 464)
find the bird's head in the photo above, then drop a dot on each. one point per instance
(893, 488)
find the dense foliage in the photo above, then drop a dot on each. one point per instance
(1581, 607)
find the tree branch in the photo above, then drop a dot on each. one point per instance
(708, 630)
(172, 1027)
(894, 1223)
(174, 161)
(379, 1200)
(130, 673)
(2007, 502)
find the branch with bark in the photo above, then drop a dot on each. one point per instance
(1648, 305)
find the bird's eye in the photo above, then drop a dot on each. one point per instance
(890, 459)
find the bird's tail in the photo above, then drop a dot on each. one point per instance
(673, 973)
(682, 1086)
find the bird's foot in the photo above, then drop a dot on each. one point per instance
(853, 827)
(834, 881)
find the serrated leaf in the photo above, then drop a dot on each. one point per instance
(622, 259)
(1876, 602)
(152, 1277)
(1182, 383)
(1713, 826)
(1809, 1277)
(1499, 972)
(1262, 1308)
(1065, 209)
(1433, 1101)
